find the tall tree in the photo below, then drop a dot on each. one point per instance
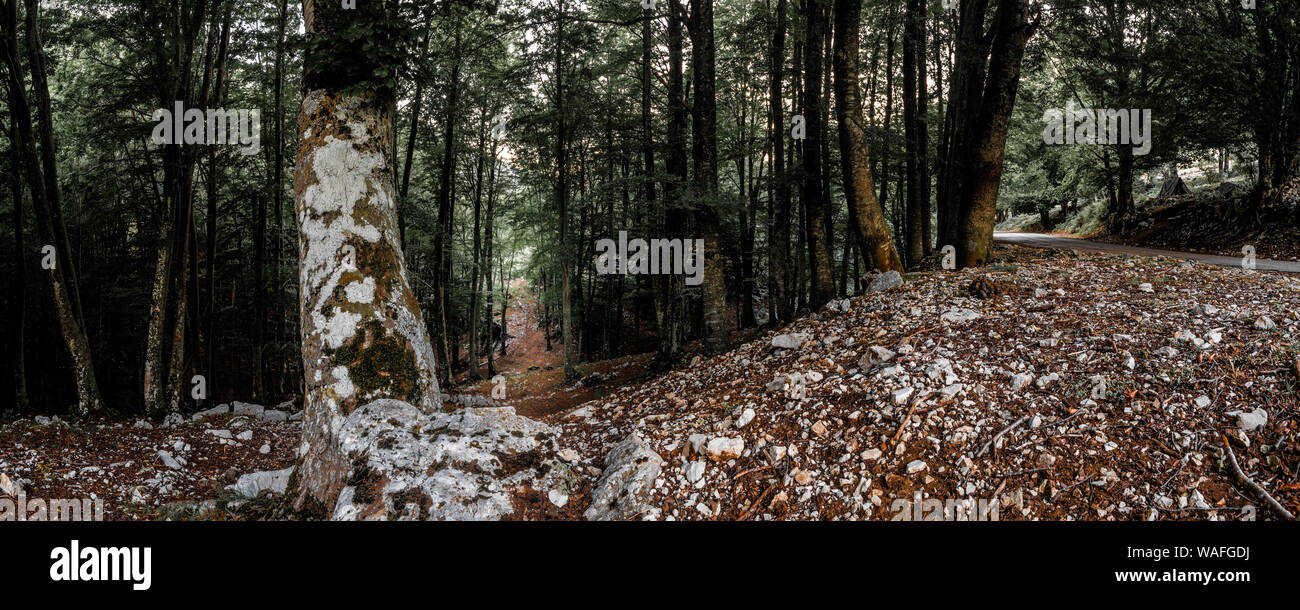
(704, 158)
(364, 339)
(982, 173)
(865, 212)
(778, 254)
(42, 182)
(823, 282)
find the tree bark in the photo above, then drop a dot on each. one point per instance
(983, 175)
(44, 204)
(705, 160)
(778, 255)
(865, 212)
(364, 339)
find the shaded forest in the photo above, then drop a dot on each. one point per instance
(157, 264)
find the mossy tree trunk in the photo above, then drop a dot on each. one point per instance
(363, 335)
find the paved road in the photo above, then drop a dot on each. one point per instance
(1040, 240)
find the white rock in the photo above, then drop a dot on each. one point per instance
(273, 415)
(1202, 401)
(941, 370)
(746, 416)
(695, 471)
(1020, 380)
(243, 408)
(168, 460)
(1145, 287)
(1265, 323)
(916, 466)
(880, 354)
(901, 395)
(217, 410)
(557, 497)
(1252, 420)
(246, 435)
(885, 281)
(251, 485)
(624, 488)
(790, 341)
(959, 315)
(265, 449)
(721, 449)
(568, 454)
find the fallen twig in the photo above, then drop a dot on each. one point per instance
(1000, 434)
(1273, 504)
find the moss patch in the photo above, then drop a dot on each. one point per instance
(380, 365)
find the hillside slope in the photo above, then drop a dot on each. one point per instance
(924, 393)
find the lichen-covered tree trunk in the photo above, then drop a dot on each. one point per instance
(865, 212)
(363, 338)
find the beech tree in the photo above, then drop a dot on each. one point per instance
(364, 338)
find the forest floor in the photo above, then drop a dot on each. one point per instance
(1097, 387)
(1064, 386)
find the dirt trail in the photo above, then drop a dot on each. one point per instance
(535, 384)
(1042, 240)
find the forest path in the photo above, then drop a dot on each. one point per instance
(1043, 240)
(535, 384)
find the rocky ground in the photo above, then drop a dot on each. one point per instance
(1051, 385)
(1091, 387)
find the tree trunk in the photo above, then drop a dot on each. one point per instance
(983, 174)
(704, 140)
(446, 212)
(778, 255)
(864, 210)
(18, 317)
(364, 340)
(823, 283)
(45, 204)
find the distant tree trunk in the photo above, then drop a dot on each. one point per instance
(487, 256)
(889, 109)
(446, 212)
(823, 283)
(912, 233)
(562, 200)
(416, 106)
(778, 255)
(18, 317)
(923, 134)
(475, 293)
(704, 157)
(165, 350)
(277, 290)
(45, 202)
(864, 210)
(965, 91)
(670, 326)
(210, 314)
(363, 336)
(983, 173)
